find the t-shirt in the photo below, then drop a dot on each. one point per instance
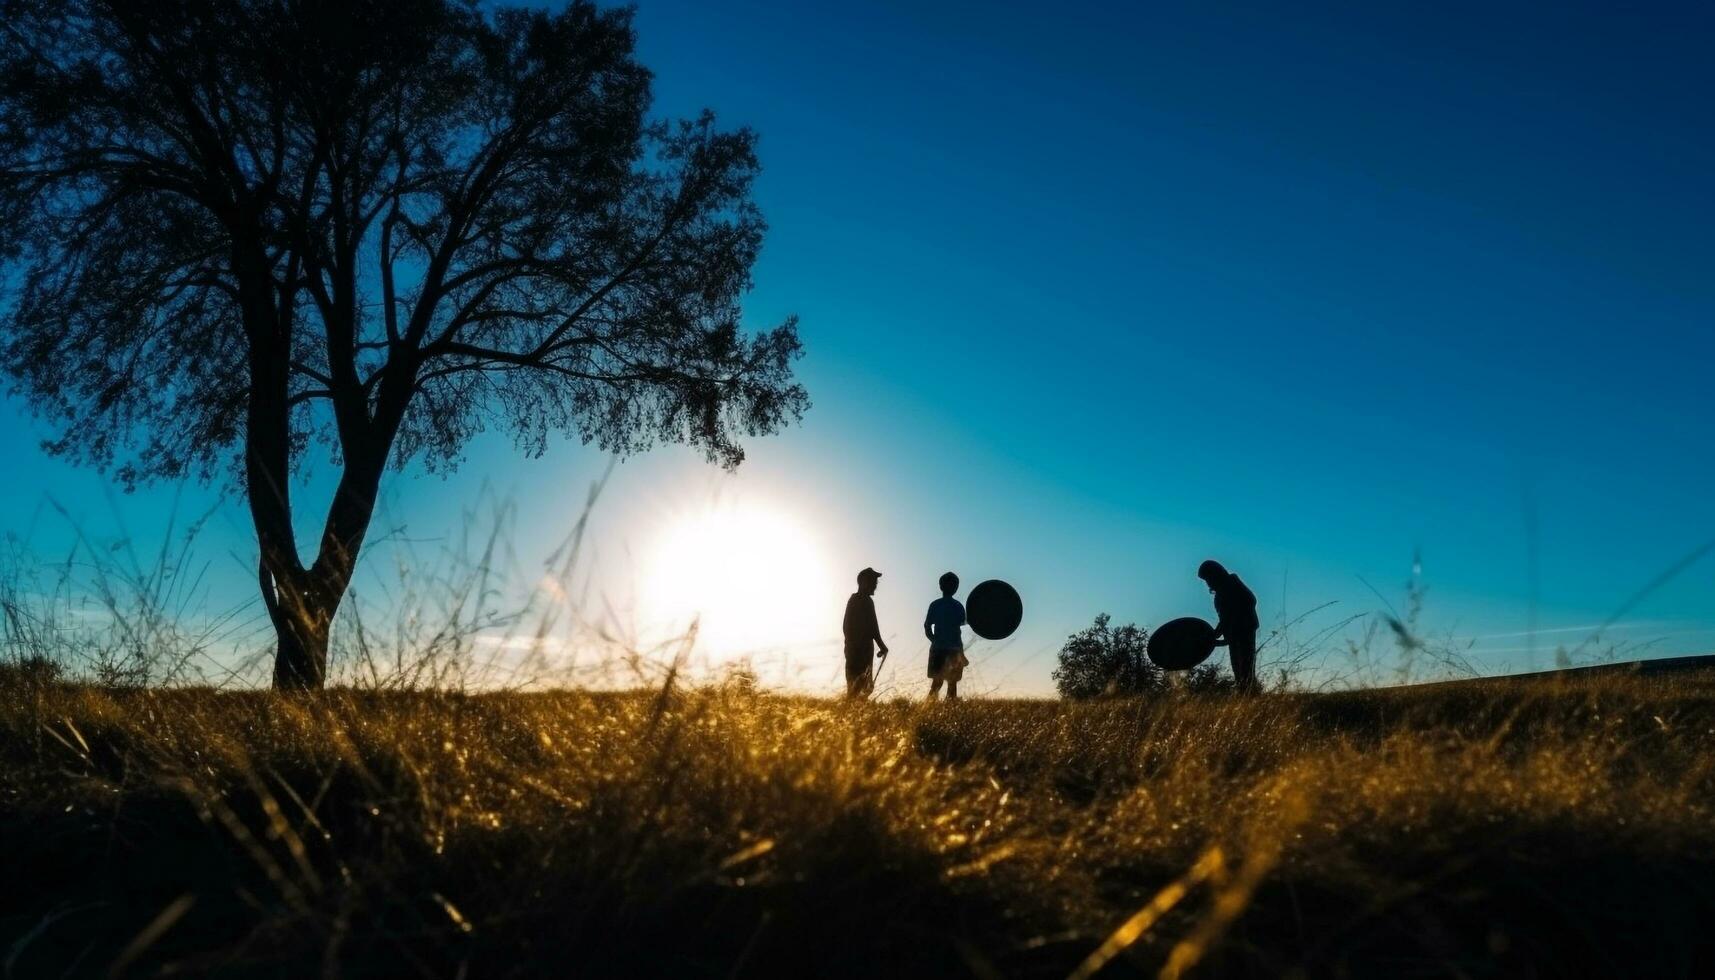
(946, 615)
(860, 626)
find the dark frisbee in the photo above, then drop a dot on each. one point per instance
(1181, 644)
(994, 610)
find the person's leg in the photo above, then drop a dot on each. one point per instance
(934, 688)
(860, 675)
(952, 690)
(1242, 649)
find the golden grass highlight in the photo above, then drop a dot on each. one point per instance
(1167, 836)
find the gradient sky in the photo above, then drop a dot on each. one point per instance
(1091, 295)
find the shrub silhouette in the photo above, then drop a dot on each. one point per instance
(1106, 660)
(1210, 678)
(31, 671)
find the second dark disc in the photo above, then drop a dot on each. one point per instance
(994, 610)
(1181, 644)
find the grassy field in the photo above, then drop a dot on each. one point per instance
(1543, 829)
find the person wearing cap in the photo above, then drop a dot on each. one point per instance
(943, 626)
(863, 636)
(1236, 622)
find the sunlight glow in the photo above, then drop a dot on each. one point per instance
(752, 573)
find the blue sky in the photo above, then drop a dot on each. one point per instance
(1089, 295)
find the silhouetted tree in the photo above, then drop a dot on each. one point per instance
(233, 229)
(1104, 660)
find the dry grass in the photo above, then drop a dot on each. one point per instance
(1486, 829)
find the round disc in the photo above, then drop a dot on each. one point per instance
(994, 610)
(1181, 644)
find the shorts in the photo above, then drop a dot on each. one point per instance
(947, 665)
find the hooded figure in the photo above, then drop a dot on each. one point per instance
(1236, 623)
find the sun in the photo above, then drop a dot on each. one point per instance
(751, 574)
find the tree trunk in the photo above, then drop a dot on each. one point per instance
(300, 663)
(301, 601)
(302, 614)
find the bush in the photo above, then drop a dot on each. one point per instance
(1209, 678)
(1106, 660)
(32, 671)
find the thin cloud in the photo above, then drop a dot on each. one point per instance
(1591, 628)
(1638, 645)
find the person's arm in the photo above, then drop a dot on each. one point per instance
(875, 630)
(928, 619)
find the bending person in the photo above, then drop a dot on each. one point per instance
(1236, 622)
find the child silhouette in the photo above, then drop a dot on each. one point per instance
(946, 642)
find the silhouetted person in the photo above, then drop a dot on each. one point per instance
(863, 636)
(946, 643)
(1236, 622)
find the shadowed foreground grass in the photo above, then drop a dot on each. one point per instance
(1486, 829)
